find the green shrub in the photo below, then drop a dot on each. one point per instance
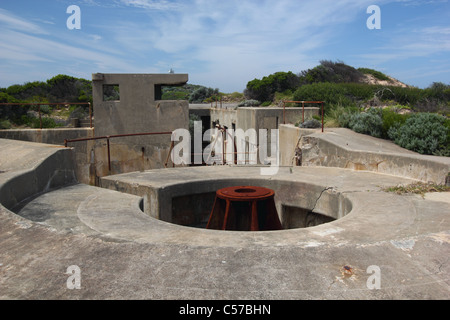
(392, 119)
(338, 116)
(5, 124)
(249, 103)
(331, 93)
(312, 124)
(47, 123)
(425, 133)
(79, 113)
(45, 109)
(369, 122)
(237, 96)
(203, 93)
(265, 89)
(377, 74)
(175, 95)
(330, 71)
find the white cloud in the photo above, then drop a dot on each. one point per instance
(11, 21)
(17, 46)
(151, 4)
(95, 37)
(436, 30)
(238, 40)
(220, 43)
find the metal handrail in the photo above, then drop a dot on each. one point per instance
(303, 109)
(66, 141)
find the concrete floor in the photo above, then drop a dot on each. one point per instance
(387, 247)
(123, 253)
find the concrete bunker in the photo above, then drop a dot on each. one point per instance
(129, 105)
(299, 204)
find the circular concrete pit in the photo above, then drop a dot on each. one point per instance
(297, 203)
(128, 246)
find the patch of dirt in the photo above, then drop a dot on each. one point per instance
(370, 79)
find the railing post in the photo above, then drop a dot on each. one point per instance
(90, 113)
(322, 117)
(303, 111)
(40, 118)
(109, 154)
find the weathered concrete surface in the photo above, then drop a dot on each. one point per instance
(260, 117)
(27, 169)
(82, 150)
(139, 110)
(125, 254)
(343, 148)
(48, 136)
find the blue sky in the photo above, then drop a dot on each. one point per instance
(222, 43)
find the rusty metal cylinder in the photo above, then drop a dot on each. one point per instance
(244, 208)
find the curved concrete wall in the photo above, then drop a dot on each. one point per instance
(189, 200)
(28, 169)
(343, 148)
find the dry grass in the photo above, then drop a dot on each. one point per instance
(420, 188)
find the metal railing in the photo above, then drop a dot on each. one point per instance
(303, 109)
(108, 138)
(49, 104)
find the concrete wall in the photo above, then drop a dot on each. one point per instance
(28, 169)
(342, 148)
(138, 110)
(226, 117)
(82, 150)
(290, 143)
(261, 118)
(257, 118)
(48, 136)
(187, 199)
(272, 118)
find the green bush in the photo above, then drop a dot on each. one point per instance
(265, 89)
(35, 123)
(311, 124)
(237, 96)
(5, 124)
(377, 74)
(331, 93)
(425, 133)
(45, 109)
(338, 115)
(202, 94)
(369, 122)
(392, 119)
(249, 103)
(329, 71)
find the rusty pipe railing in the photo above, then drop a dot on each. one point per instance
(108, 138)
(49, 104)
(303, 109)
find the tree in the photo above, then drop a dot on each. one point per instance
(265, 89)
(203, 93)
(329, 71)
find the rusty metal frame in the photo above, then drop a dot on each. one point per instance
(49, 104)
(303, 109)
(223, 215)
(108, 138)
